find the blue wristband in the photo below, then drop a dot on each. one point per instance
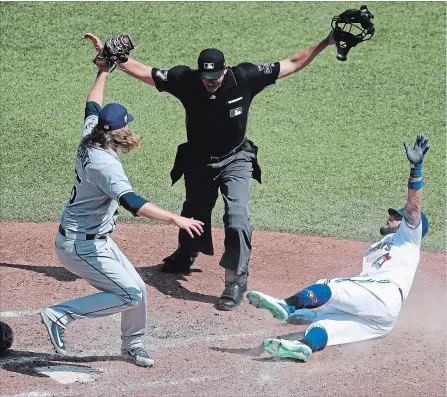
(415, 185)
(416, 170)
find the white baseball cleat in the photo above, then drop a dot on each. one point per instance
(55, 332)
(287, 348)
(277, 307)
(138, 356)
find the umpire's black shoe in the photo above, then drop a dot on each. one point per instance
(232, 296)
(178, 262)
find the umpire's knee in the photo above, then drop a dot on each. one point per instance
(237, 218)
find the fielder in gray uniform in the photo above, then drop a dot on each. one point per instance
(84, 244)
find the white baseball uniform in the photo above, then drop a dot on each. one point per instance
(367, 306)
(100, 181)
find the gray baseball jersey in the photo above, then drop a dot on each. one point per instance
(99, 183)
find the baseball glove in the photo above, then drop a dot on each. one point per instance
(351, 28)
(7, 337)
(116, 50)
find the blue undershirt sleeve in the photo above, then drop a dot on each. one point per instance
(132, 202)
(92, 109)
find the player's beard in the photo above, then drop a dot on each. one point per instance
(387, 229)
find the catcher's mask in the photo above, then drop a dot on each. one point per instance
(351, 28)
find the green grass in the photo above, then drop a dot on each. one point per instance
(330, 137)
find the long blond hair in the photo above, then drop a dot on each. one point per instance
(122, 139)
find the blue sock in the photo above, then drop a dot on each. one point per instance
(310, 297)
(289, 309)
(316, 339)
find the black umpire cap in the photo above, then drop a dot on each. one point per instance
(211, 64)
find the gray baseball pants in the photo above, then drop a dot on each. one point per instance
(233, 177)
(101, 263)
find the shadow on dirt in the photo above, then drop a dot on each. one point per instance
(169, 284)
(257, 351)
(58, 273)
(24, 362)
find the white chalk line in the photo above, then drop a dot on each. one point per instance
(171, 382)
(30, 394)
(19, 313)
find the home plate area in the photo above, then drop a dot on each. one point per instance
(198, 350)
(70, 373)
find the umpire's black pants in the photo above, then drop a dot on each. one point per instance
(233, 177)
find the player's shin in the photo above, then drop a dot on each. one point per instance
(310, 297)
(316, 338)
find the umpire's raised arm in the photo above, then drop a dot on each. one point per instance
(116, 51)
(301, 59)
(138, 70)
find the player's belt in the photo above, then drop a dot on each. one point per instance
(80, 236)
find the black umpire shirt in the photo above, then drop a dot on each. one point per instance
(216, 122)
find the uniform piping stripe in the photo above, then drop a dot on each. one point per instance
(119, 297)
(360, 281)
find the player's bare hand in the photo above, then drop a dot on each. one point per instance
(100, 61)
(416, 155)
(95, 40)
(190, 225)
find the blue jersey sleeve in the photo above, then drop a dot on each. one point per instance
(92, 109)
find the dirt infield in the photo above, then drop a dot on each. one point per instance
(199, 351)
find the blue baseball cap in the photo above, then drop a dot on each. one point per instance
(113, 117)
(425, 223)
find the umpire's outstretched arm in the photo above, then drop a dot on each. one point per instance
(138, 70)
(132, 67)
(290, 65)
(301, 59)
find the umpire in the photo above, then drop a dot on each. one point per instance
(217, 154)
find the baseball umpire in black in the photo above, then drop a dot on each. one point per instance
(217, 154)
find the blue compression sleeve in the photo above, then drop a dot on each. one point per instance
(316, 339)
(132, 202)
(310, 297)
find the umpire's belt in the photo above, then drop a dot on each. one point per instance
(80, 236)
(243, 146)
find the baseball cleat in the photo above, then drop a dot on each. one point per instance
(287, 348)
(178, 262)
(276, 307)
(138, 356)
(55, 332)
(232, 296)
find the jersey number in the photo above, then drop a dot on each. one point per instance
(74, 191)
